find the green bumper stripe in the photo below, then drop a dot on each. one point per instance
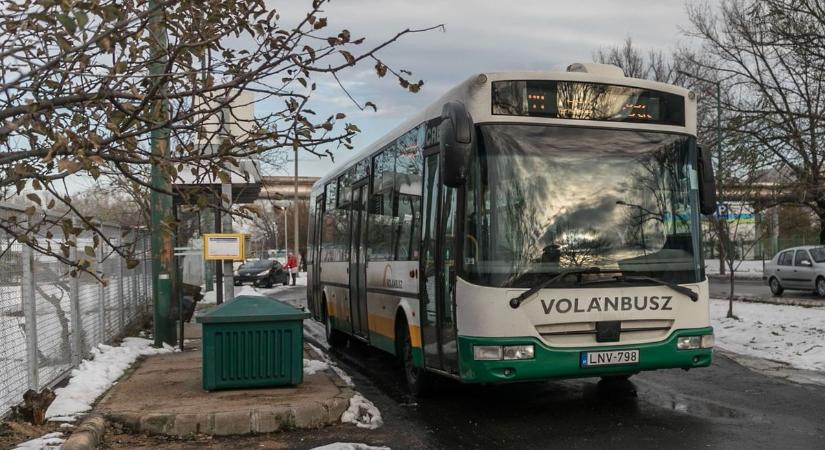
(555, 362)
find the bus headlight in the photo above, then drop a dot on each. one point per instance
(518, 352)
(507, 352)
(694, 342)
(486, 352)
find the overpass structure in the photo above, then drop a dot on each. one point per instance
(283, 187)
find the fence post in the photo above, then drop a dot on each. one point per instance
(101, 289)
(30, 314)
(74, 302)
(134, 277)
(121, 304)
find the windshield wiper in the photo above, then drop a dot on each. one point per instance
(635, 278)
(515, 302)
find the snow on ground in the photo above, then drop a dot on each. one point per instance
(742, 269)
(312, 366)
(316, 331)
(47, 441)
(339, 371)
(362, 413)
(349, 446)
(94, 376)
(790, 334)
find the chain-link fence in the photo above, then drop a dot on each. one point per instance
(49, 320)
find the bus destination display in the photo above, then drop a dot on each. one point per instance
(587, 101)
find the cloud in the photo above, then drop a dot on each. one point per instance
(481, 36)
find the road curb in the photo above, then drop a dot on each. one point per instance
(774, 368)
(717, 277)
(88, 435)
(784, 301)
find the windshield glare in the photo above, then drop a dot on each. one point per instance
(258, 264)
(542, 200)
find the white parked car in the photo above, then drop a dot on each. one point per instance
(798, 268)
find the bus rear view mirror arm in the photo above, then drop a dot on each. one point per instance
(707, 182)
(456, 140)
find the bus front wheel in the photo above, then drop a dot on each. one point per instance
(335, 338)
(419, 381)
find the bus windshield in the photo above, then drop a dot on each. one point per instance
(542, 200)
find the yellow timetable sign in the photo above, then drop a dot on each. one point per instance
(222, 246)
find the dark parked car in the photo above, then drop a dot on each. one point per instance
(261, 272)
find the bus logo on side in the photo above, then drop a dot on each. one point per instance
(389, 282)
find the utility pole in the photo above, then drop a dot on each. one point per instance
(161, 198)
(295, 208)
(226, 227)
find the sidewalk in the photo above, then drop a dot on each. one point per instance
(164, 395)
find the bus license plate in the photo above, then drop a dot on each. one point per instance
(609, 358)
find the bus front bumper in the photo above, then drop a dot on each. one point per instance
(558, 362)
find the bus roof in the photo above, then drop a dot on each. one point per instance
(475, 92)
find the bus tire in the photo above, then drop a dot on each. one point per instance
(419, 380)
(776, 288)
(335, 338)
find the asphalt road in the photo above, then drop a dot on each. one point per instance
(724, 406)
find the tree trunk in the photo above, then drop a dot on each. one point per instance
(730, 298)
(721, 233)
(822, 231)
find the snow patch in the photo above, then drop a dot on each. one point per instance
(349, 446)
(742, 268)
(246, 290)
(94, 376)
(338, 371)
(789, 334)
(312, 366)
(47, 441)
(316, 331)
(362, 413)
(63, 419)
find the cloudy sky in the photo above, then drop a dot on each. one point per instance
(481, 35)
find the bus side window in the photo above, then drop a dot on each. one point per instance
(380, 206)
(328, 251)
(409, 166)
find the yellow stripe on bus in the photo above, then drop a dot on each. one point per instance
(415, 336)
(384, 326)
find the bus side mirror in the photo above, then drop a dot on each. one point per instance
(707, 183)
(456, 139)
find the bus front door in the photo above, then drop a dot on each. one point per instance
(358, 262)
(438, 330)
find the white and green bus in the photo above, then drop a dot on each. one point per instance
(527, 225)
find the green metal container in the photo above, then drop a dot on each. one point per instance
(252, 342)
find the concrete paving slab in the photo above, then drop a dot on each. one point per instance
(164, 395)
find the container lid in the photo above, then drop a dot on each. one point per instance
(253, 308)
